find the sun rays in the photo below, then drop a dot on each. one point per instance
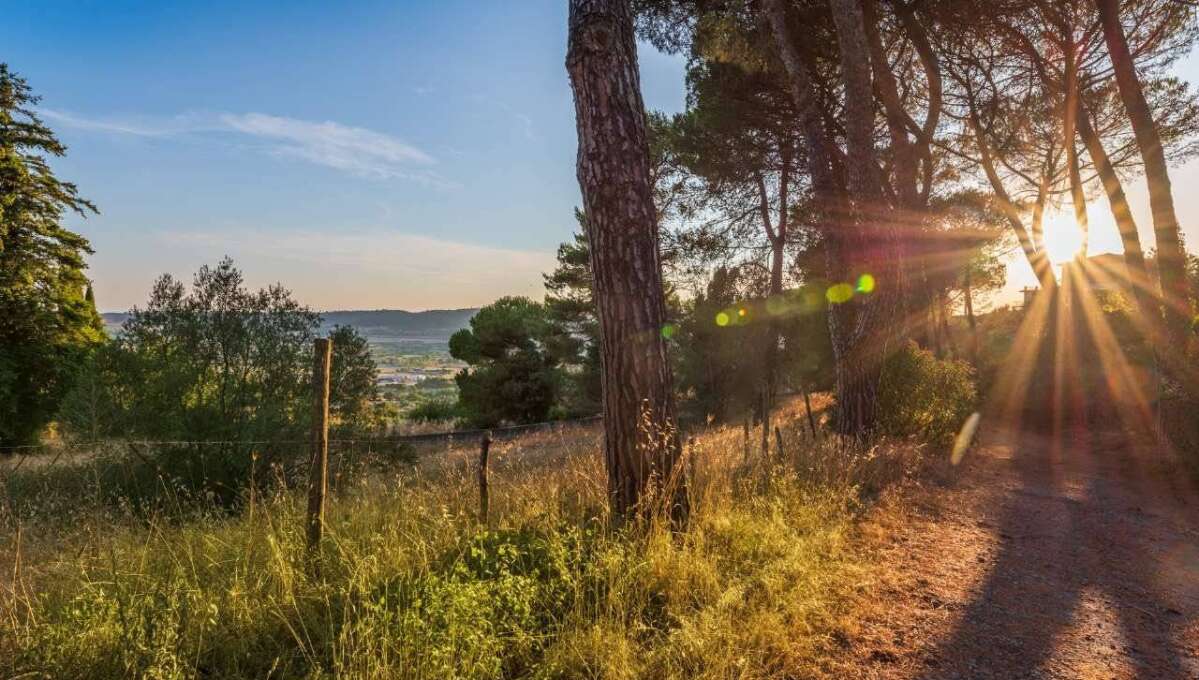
(1082, 352)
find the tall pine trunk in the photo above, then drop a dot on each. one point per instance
(1171, 261)
(776, 235)
(968, 303)
(1148, 306)
(641, 441)
(1070, 114)
(877, 317)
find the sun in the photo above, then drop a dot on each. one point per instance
(1062, 238)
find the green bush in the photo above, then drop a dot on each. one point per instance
(224, 372)
(925, 397)
(1180, 425)
(437, 410)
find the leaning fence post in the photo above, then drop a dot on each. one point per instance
(807, 402)
(318, 470)
(484, 501)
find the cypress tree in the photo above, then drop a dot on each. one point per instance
(48, 324)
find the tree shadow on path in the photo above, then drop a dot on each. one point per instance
(1097, 570)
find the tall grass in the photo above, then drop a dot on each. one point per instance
(409, 585)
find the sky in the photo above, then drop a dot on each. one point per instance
(373, 154)
(370, 154)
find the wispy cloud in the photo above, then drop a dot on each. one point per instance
(356, 150)
(138, 126)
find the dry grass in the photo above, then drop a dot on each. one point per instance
(410, 585)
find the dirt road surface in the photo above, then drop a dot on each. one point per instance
(1036, 560)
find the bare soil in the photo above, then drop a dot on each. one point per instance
(1035, 559)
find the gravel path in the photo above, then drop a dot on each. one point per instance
(1078, 560)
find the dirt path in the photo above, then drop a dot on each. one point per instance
(1037, 561)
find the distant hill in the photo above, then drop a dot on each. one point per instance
(376, 324)
(385, 323)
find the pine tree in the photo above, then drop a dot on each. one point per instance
(622, 230)
(574, 329)
(48, 324)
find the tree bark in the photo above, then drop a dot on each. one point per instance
(641, 440)
(1171, 261)
(776, 234)
(1069, 126)
(877, 316)
(856, 378)
(968, 303)
(1036, 257)
(1134, 256)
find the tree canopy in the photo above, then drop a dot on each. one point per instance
(48, 319)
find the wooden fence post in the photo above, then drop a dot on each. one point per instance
(484, 500)
(318, 469)
(778, 438)
(808, 407)
(765, 422)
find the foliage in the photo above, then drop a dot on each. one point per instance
(220, 369)
(218, 362)
(925, 397)
(1180, 427)
(716, 376)
(512, 377)
(967, 242)
(353, 383)
(570, 311)
(48, 319)
(437, 410)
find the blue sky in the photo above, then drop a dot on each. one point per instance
(365, 154)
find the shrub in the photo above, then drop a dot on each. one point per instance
(226, 369)
(437, 410)
(925, 397)
(1180, 425)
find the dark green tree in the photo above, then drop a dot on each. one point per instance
(512, 376)
(353, 381)
(718, 379)
(219, 362)
(224, 370)
(573, 338)
(48, 324)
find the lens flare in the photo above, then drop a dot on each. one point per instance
(840, 293)
(777, 305)
(965, 438)
(865, 283)
(669, 330)
(722, 319)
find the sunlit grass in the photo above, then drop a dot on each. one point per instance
(410, 585)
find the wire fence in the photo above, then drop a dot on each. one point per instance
(14, 458)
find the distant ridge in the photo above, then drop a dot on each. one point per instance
(397, 322)
(373, 323)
